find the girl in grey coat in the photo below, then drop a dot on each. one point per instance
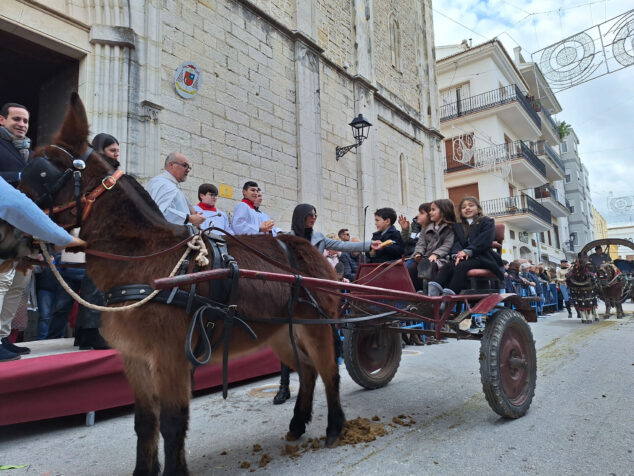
(434, 242)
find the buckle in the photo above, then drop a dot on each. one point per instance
(110, 179)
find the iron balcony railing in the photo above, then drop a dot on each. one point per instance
(488, 157)
(518, 149)
(480, 102)
(517, 205)
(542, 148)
(551, 121)
(548, 191)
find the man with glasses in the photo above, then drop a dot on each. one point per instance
(344, 234)
(165, 190)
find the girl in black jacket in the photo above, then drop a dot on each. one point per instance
(472, 249)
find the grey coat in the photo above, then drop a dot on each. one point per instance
(321, 242)
(435, 242)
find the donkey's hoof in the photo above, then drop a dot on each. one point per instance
(333, 441)
(292, 436)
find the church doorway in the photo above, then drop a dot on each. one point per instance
(39, 78)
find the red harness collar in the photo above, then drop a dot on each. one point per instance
(88, 200)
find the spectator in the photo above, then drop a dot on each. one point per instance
(108, 147)
(392, 247)
(208, 195)
(19, 211)
(344, 234)
(166, 192)
(332, 255)
(14, 151)
(350, 261)
(246, 219)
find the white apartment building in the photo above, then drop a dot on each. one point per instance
(577, 185)
(500, 146)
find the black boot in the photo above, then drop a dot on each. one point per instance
(16, 349)
(569, 309)
(284, 392)
(92, 339)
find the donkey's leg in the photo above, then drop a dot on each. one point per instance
(173, 377)
(303, 412)
(145, 417)
(320, 348)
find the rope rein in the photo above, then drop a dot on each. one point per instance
(195, 244)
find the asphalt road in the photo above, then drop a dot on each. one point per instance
(581, 420)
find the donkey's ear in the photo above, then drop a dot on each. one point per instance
(75, 128)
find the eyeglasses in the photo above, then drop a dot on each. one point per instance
(186, 166)
(312, 215)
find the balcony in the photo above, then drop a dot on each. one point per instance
(555, 169)
(520, 211)
(547, 196)
(549, 127)
(508, 103)
(485, 159)
(526, 167)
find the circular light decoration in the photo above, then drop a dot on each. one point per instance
(570, 61)
(187, 80)
(623, 46)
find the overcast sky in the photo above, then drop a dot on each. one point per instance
(601, 110)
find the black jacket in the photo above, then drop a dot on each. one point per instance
(11, 162)
(478, 244)
(391, 252)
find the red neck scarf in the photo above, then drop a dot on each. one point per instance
(206, 207)
(248, 202)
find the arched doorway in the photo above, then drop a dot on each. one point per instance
(526, 253)
(39, 78)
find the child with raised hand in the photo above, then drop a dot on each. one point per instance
(471, 249)
(434, 242)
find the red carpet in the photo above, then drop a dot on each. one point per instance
(79, 382)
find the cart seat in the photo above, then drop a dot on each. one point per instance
(479, 275)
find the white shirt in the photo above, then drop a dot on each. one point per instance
(165, 190)
(218, 219)
(246, 220)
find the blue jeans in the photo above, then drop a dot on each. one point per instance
(564, 292)
(45, 300)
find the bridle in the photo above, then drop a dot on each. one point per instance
(46, 180)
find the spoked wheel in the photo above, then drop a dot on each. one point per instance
(508, 364)
(372, 355)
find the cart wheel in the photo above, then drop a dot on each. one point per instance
(372, 355)
(508, 364)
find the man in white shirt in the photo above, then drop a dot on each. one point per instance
(246, 219)
(263, 217)
(165, 190)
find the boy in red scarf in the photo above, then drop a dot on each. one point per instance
(208, 195)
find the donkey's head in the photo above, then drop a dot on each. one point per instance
(64, 171)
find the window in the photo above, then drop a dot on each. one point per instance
(563, 147)
(512, 234)
(395, 43)
(556, 232)
(567, 178)
(542, 238)
(572, 208)
(550, 239)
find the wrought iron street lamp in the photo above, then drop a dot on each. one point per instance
(360, 129)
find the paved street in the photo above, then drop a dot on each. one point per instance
(581, 420)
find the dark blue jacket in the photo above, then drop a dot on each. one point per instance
(350, 265)
(478, 244)
(11, 162)
(391, 252)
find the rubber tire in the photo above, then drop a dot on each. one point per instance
(355, 342)
(508, 333)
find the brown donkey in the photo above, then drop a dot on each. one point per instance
(125, 221)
